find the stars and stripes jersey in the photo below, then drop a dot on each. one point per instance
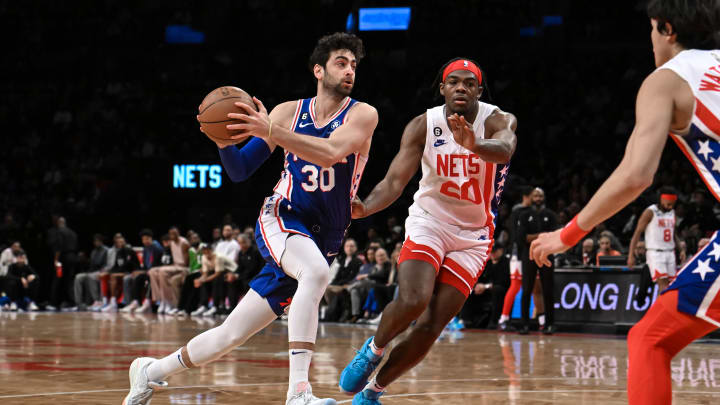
(457, 186)
(701, 141)
(320, 195)
(660, 231)
(697, 282)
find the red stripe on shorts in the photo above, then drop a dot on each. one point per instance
(455, 275)
(414, 251)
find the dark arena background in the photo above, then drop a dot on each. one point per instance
(99, 104)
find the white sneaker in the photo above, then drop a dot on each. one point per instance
(210, 312)
(161, 309)
(112, 307)
(375, 321)
(13, 306)
(141, 390)
(199, 311)
(145, 308)
(172, 311)
(307, 398)
(130, 308)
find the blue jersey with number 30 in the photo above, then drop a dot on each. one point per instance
(320, 195)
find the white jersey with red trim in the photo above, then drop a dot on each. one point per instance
(457, 186)
(701, 141)
(660, 231)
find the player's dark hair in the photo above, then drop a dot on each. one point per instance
(696, 22)
(667, 190)
(438, 79)
(526, 190)
(165, 237)
(334, 42)
(146, 232)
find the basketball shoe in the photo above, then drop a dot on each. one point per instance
(141, 389)
(367, 397)
(355, 375)
(306, 397)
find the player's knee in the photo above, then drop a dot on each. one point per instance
(413, 304)
(316, 275)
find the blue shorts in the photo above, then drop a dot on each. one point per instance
(277, 222)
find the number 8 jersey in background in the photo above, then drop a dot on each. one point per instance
(660, 231)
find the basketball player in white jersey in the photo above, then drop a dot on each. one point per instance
(464, 148)
(658, 224)
(681, 97)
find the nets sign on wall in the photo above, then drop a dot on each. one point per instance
(194, 176)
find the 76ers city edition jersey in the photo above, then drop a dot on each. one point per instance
(321, 193)
(698, 283)
(457, 186)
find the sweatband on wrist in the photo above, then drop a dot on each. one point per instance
(242, 163)
(572, 233)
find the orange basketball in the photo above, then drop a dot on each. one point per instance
(215, 107)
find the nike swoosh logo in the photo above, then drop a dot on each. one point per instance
(305, 124)
(294, 352)
(440, 142)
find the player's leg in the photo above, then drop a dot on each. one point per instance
(547, 295)
(416, 280)
(303, 261)
(453, 286)
(251, 315)
(653, 342)
(528, 282)
(445, 303)
(515, 284)
(539, 299)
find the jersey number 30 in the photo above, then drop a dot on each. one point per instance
(324, 178)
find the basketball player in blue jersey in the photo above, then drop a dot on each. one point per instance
(681, 98)
(301, 226)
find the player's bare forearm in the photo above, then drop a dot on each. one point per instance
(382, 196)
(313, 149)
(494, 150)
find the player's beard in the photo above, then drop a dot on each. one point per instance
(336, 86)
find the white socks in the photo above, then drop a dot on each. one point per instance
(373, 385)
(163, 368)
(378, 351)
(503, 318)
(541, 319)
(299, 369)
(113, 301)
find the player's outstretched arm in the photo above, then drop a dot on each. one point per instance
(654, 113)
(325, 152)
(240, 164)
(643, 222)
(401, 170)
(500, 143)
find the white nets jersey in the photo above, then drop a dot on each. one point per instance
(701, 141)
(457, 186)
(660, 232)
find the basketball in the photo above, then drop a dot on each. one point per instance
(216, 106)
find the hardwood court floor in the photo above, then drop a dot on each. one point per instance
(82, 358)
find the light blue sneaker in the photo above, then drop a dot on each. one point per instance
(367, 397)
(355, 375)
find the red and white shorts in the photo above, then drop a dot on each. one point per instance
(661, 264)
(458, 254)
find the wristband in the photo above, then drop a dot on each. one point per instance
(572, 233)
